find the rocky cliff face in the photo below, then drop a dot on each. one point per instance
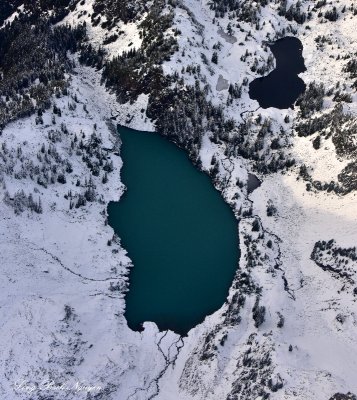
(70, 71)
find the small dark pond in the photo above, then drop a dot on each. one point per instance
(282, 87)
(253, 183)
(180, 234)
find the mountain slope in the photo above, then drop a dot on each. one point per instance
(287, 329)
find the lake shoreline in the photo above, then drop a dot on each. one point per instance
(129, 236)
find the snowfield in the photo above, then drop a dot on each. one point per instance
(62, 284)
(288, 328)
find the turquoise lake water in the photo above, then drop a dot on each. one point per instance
(180, 234)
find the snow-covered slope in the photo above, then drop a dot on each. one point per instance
(62, 326)
(287, 329)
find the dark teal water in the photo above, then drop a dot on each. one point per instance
(282, 87)
(180, 234)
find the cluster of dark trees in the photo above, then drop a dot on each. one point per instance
(90, 56)
(337, 124)
(248, 10)
(344, 136)
(254, 242)
(292, 13)
(322, 123)
(321, 40)
(347, 180)
(339, 261)
(255, 379)
(52, 10)
(319, 4)
(21, 202)
(245, 11)
(78, 200)
(331, 14)
(258, 313)
(348, 177)
(50, 167)
(184, 114)
(234, 92)
(98, 162)
(117, 10)
(271, 209)
(33, 64)
(351, 69)
(311, 100)
(264, 68)
(139, 70)
(93, 155)
(232, 317)
(256, 140)
(342, 396)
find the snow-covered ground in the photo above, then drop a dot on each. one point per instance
(63, 286)
(62, 304)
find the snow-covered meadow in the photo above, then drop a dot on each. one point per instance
(63, 286)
